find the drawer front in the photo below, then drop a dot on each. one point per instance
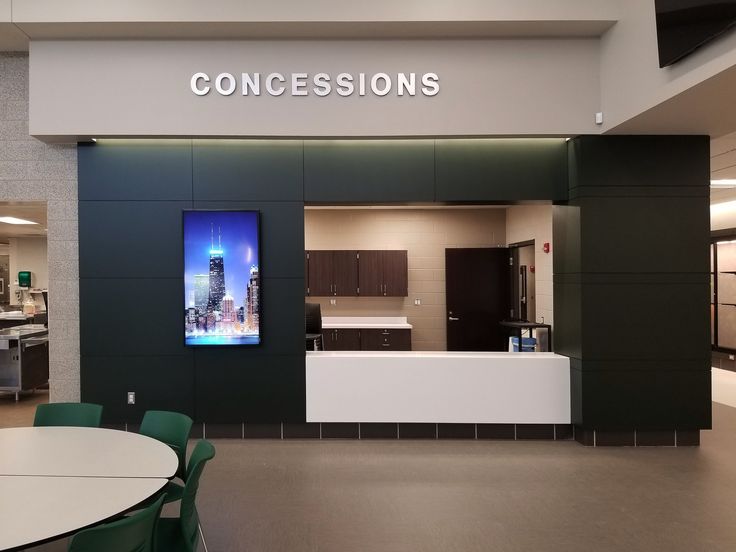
(385, 340)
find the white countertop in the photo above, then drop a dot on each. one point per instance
(433, 354)
(368, 322)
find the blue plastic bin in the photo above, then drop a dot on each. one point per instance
(528, 344)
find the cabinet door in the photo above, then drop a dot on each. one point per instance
(400, 340)
(345, 273)
(370, 273)
(347, 340)
(320, 273)
(395, 274)
(372, 340)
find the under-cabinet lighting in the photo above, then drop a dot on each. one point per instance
(723, 183)
(13, 220)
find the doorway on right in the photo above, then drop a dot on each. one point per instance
(523, 287)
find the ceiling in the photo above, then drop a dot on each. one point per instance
(29, 210)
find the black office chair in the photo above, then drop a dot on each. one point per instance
(313, 325)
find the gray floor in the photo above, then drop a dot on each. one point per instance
(354, 496)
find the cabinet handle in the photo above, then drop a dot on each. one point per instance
(385, 344)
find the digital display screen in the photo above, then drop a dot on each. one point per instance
(684, 25)
(222, 280)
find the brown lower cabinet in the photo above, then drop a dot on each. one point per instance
(352, 339)
(341, 340)
(385, 340)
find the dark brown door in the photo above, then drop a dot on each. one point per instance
(320, 273)
(370, 273)
(345, 273)
(395, 274)
(477, 288)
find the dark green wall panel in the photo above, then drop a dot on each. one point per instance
(645, 321)
(645, 234)
(261, 389)
(141, 170)
(364, 171)
(160, 383)
(631, 282)
(131, 316)
(131, 239)
(646, 399)
(501, 170)
(641, 161)
(248, 170)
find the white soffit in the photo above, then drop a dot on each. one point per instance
(295, 19)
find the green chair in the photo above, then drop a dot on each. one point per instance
(129, 534)
(68, 414)
(181, 534)
(171, 428)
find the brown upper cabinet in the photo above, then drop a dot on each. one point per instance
(332, 273)
(369, 273)
(383, 273)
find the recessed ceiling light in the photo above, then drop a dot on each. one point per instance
(723, 183)
(13, 220)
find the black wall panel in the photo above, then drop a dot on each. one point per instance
(500, 170)
(266, 170)
(631, 282)
(160, 382)
(254, 389)
(131, 316)
(145, 237)
(365, 171)
(144, 170)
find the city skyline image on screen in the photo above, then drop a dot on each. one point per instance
(221, 278)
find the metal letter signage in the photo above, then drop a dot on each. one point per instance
(320, 84)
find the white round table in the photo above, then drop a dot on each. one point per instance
(57, 480)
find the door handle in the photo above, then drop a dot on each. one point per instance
(453, 318)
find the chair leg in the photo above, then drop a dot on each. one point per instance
(201, 536)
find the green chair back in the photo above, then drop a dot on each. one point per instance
(188, 516)
(171, 428)
(130, 534)
(68, 414)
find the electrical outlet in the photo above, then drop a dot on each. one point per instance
(131, 397)
(417, 302)
(333, 302)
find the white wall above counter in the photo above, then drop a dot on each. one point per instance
(358, 322)
(438, 387)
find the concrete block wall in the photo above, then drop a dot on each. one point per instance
(33, 171)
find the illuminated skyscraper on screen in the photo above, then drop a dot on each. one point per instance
(217, 273)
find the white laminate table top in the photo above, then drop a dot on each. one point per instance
(34, 509)
(83, 452)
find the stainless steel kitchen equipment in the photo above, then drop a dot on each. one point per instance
(24, 358)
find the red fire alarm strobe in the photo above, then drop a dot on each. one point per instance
(545, 247)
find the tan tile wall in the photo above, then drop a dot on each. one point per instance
(424, 233)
